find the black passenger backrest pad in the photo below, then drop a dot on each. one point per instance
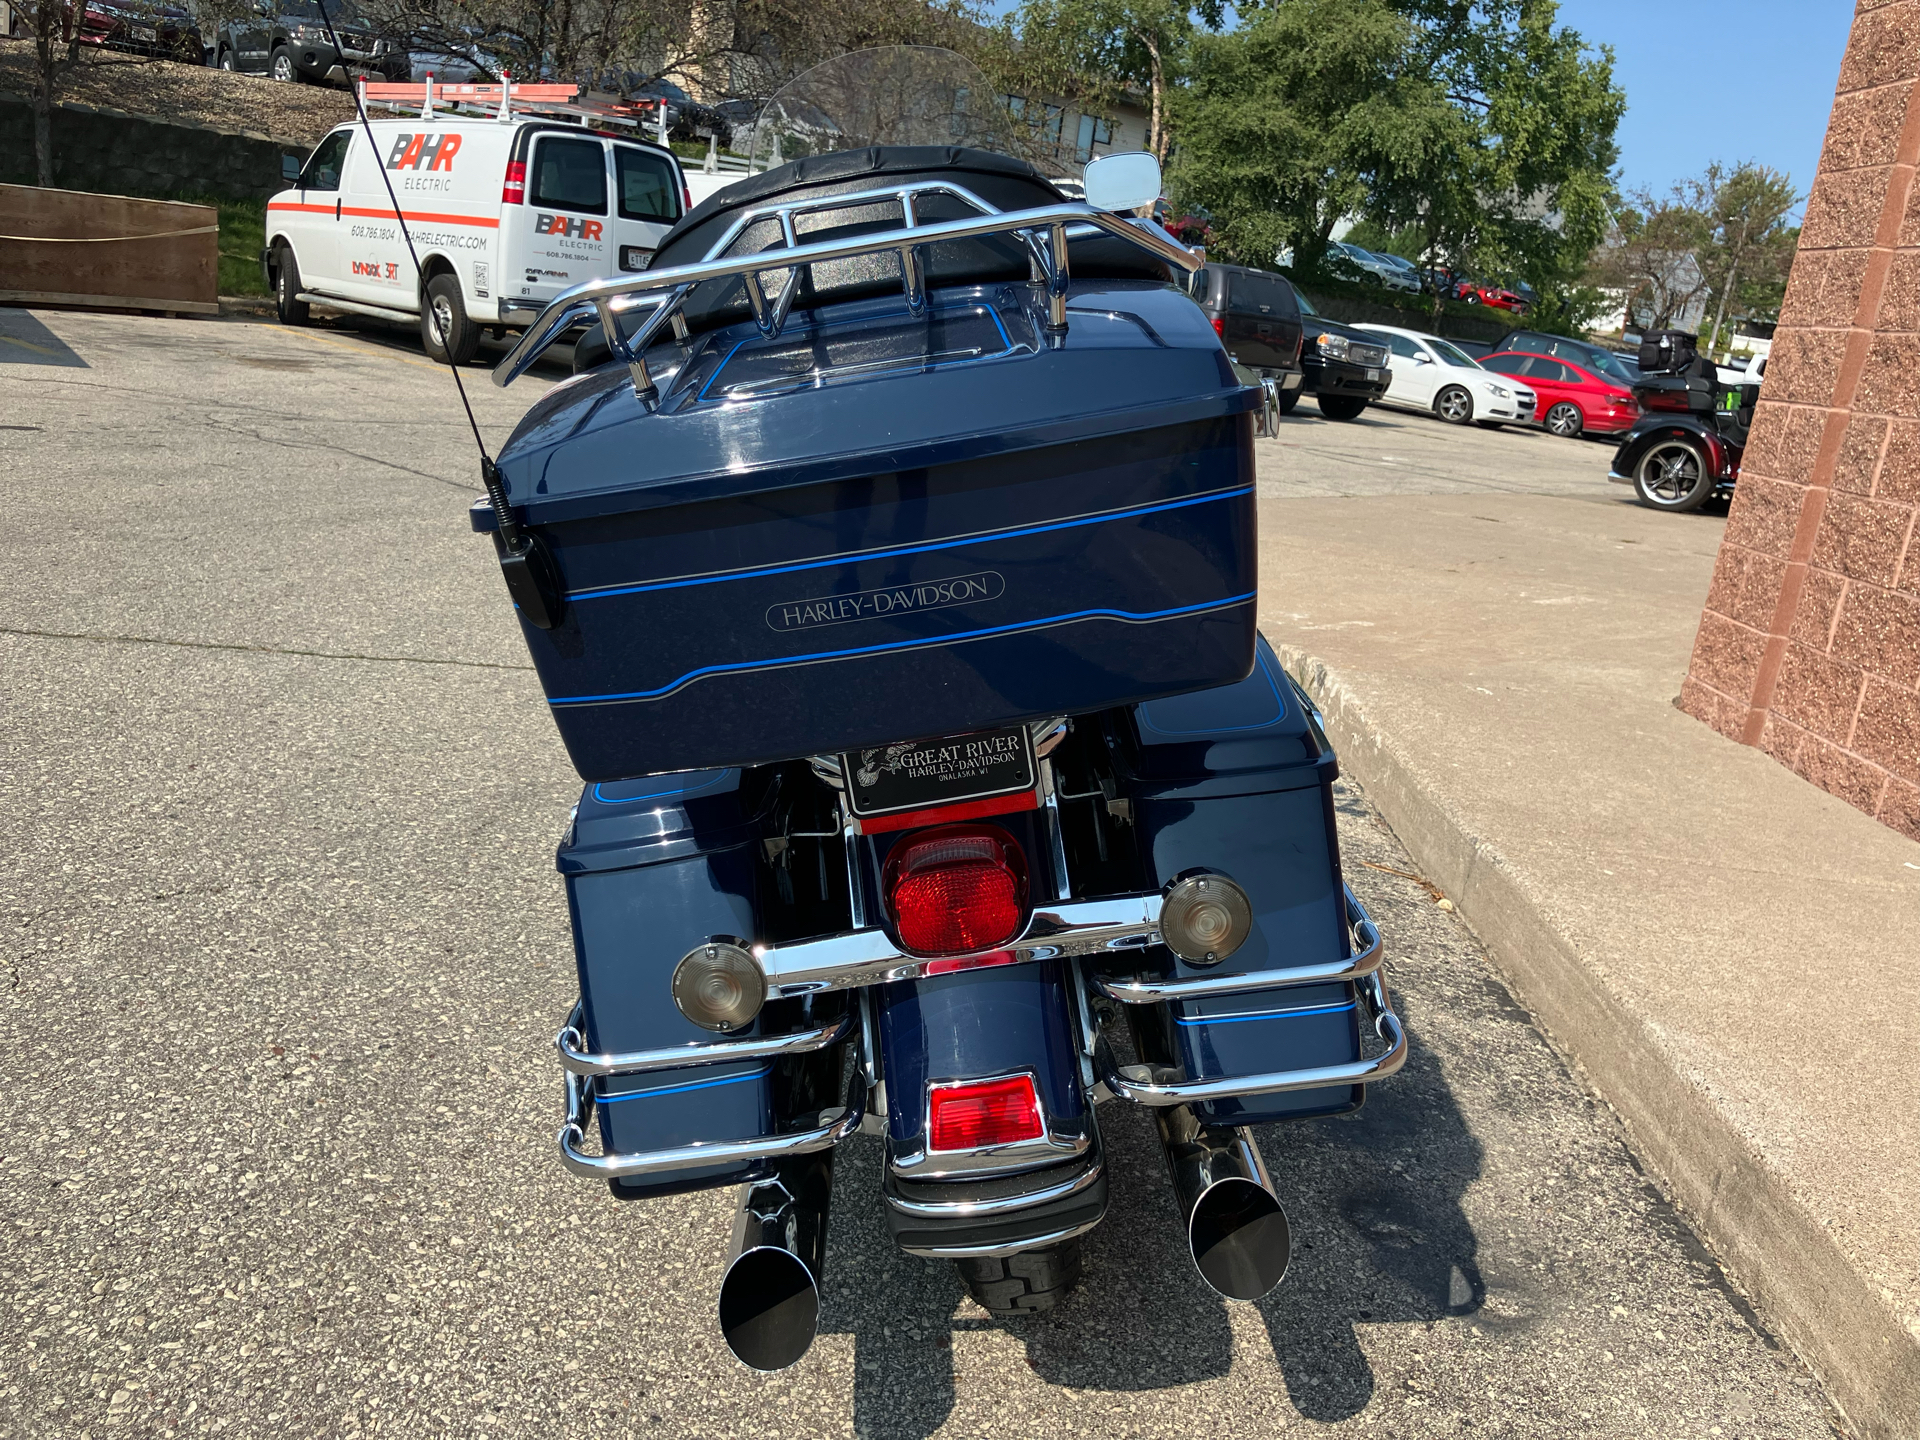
(1002, 182)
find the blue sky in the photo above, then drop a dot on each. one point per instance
(1726, 80)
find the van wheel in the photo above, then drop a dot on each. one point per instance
(282, 68)
(445, 330)
(286, 288)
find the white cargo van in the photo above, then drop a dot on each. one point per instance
(506, 211)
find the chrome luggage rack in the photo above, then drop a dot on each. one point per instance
(1044, 231)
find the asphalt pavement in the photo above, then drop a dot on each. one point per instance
(285, 953)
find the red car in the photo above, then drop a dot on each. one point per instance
(1572, 399)
(144, 27)
(1476, 292)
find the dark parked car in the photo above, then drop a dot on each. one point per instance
(142, 29)
(1597, 358)
(287, 39)
(1256, 314)
(1344, 368)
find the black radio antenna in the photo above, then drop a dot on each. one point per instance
(529, 569)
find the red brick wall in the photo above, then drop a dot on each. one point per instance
(1809, 646)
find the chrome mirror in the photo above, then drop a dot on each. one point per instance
(1122, 183)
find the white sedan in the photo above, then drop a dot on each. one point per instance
(1431, 374)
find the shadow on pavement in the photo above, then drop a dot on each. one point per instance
(1379, 1237)
(25, 341)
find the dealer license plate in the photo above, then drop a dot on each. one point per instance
(919, 775)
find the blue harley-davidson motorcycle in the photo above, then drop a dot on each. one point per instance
(892, 583)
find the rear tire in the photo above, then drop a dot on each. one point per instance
(449, 334)
(286, 289)
(1673, 475)
(1030, 1283)
(1340, 407)
(1454, 405)
(1565, 420)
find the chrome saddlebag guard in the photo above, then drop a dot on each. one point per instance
(660, 1087)
(1240, 778)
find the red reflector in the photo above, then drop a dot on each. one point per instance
(514, 190)
(971, 962)
(957, 890)
(992, 1112)
(1220, 326)
(686, 197)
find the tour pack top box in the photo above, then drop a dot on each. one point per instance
(876, 526)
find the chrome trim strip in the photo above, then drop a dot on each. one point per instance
(1386, 1024)
(717, 1052)
(984, 1252)
(999, 1204)
(626, 1164)
(868, 957)
(1365, 961)
(649, 288)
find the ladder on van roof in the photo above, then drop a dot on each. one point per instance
(505, 100)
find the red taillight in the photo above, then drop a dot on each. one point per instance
(957, 890)
(1675, 400)
(514, 191)
(1220, 326)
(686, 197)
(975, 1115)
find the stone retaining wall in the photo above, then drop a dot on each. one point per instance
(113, 153)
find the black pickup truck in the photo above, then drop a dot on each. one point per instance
(1271, 331)
(287, 39)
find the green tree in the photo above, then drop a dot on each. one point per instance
(1285, 120)
(1516, 178)
(1749, 245)
(1098, 49)
(1652, 253)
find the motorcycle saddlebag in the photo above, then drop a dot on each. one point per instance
(682, 846)
(1238, 778)
(1682, 394)
(876, 527)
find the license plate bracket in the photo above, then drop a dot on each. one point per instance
(949, 770)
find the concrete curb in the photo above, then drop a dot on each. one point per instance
(1796, 1274)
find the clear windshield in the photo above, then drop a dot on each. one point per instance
(898, 95)
(1452, 355)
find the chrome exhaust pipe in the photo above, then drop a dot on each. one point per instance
(770, 1300)
(1236, 1231)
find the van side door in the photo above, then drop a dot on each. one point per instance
(316, 238)
(647, 200)
(567, 184)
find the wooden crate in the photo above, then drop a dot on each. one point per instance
(68, 247)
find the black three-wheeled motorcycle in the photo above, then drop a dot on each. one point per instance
(892, 584)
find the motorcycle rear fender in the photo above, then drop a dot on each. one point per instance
(1643, 435)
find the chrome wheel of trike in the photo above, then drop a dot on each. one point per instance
(1673, 475)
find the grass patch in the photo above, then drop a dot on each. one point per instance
(243, 230)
